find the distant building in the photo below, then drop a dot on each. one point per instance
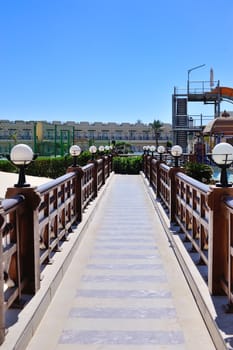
(56, 137)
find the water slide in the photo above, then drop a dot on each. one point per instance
(223, 92)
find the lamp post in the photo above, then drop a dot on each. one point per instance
(147, 149)
(101, 149)
(152, 149)
(75, 151)
(189, 71)
(161, 150)
(176, 152)
(21, 156)
(107, 148)
(93, 150)
(222, 156)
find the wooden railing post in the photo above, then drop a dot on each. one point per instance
(110, 159)
(158, 187)
(79, 192)
(29, 236)
(150, 169)
(149, 158)
(108, 164)
(2, 307)
(146, 157)
(144, 163)
(173, 191)
(95, 177)
(218, 238)
(103, 169)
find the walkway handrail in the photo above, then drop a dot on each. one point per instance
(12, 281)
(192, 213)
(204, 215)
(34, 223)
(227, 278)
(164, 188)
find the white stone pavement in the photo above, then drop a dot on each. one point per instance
(124, 288)
(10, 179)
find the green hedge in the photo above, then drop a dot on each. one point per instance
(47, 166)
(199, 171)
(7, 166)
(127, 165)
(54, 167)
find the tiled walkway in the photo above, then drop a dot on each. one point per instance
(124, 289)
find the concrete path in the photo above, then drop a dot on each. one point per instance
(124, 288)
(10, 179)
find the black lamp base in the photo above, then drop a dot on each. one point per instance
(221, 185)
(23, 185)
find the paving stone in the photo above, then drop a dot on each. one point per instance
(124, 288)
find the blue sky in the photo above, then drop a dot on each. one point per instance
(109, 60)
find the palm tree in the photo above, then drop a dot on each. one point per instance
(156, 126)
(13, 136)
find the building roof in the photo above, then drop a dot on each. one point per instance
(220, 125)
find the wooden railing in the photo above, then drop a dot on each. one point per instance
(204, 215)
(14, 268)
(164, 185)
(227, 276)
(35, 222)
(192, 213)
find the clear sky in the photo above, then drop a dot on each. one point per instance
(109, 60)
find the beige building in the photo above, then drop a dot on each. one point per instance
(56, 137)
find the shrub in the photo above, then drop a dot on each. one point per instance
(122, 147)
(199, 171)
(51, 167)
(127, 165)
(7, 166)
(84, 157)
(42, 166)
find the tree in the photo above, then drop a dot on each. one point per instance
(13, 136)
(123, 147)
(156, 126)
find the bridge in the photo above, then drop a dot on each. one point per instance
(99, 260)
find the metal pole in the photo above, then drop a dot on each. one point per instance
(55, 140)
(34, 136)
(189, 71)
(73, 135)
(68, 139)
(61, 143)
